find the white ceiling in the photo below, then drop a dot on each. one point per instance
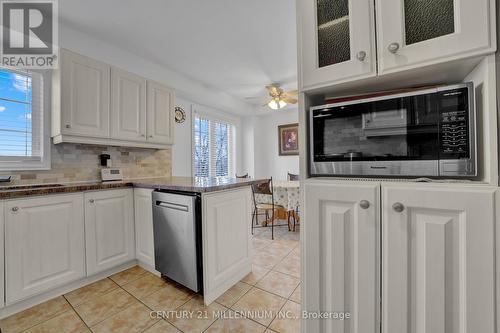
(237, 46)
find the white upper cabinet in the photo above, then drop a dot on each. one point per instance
(339, 41)
(84, 96)
(94, 103)
(109, 229)
(128, 106)
(342, 256)
(336, 41)
(438, 247)
(160, 113)
(414, 33)
(44, 244)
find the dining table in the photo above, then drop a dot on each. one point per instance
(286, 197)
(287, 194)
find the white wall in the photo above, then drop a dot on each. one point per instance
(266, 160)
(182, 162)
(248, 145)
(182, 165)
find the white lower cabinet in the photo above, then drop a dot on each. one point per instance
(44, 244)
(342, 258)
(438, 260)
(437, 257)
(144, 241)
(109, 229)
(227, 243)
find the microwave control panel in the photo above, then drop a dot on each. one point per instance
(454, 138)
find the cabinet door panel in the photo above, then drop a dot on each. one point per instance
(227, 246)
(336, 41)
(438, 260)
(109, 229)
(2, 258)
(85, 95)
(44, 244)
(128, 106)
(143, 207)
(341, 256)
(160, 113)
(430, 31)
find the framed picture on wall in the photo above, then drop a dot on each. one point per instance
(288, 139)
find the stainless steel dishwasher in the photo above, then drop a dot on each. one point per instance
(177, 237)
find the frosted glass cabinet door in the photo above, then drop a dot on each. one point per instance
(337, 41)
(415, 33)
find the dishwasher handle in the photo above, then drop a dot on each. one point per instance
(171, 205)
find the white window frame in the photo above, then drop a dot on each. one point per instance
(210, 115)
(20, 163)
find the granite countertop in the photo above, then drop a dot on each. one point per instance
(187, 184)
(199, 185)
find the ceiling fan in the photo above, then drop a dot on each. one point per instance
(279, 98)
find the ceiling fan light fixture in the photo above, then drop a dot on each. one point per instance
(276, 104)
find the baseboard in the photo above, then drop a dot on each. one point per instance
(148, 267)
(235, 278)
(43, 297)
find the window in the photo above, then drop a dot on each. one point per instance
(213, 148)
(24, 141)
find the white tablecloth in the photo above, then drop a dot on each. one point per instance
(286, 194)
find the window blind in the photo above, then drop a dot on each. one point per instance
(201, 156)
(21, 118)
(213, 147)
(24, 134)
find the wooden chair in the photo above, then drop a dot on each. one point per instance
(293, 213)
(264, 208)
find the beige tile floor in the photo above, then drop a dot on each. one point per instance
(264, 301)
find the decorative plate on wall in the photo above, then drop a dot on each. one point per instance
(180, 115)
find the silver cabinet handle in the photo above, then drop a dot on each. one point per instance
(393, 48)
(143, 135)
(365, 204)
(15, 209)
(91, 201)
(151, 136)
(68, 126)
(398, 207)
(361, 55)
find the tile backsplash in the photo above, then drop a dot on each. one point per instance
(79, 163)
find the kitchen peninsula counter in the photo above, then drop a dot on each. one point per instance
(186, 184)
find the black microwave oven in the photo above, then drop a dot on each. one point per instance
(422, 133)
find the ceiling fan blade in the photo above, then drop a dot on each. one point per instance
(292, 93)
(274, 90)
(290, 100)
